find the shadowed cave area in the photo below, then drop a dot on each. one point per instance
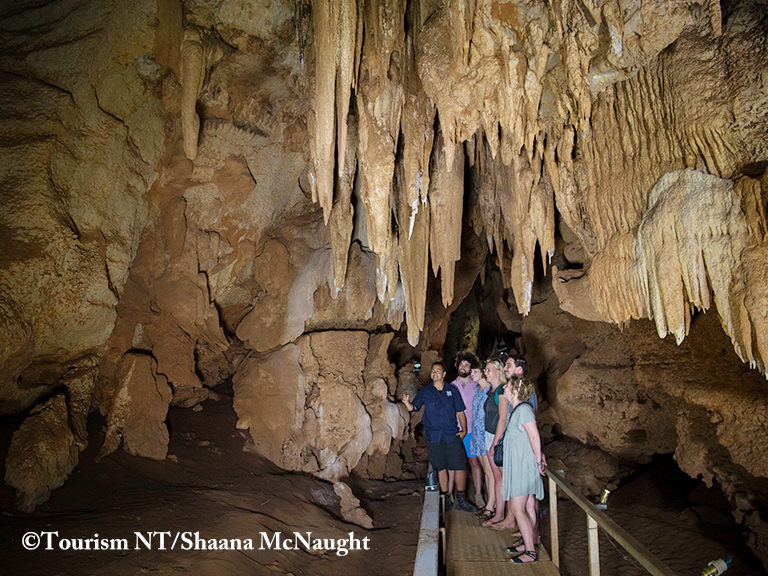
(233, 230)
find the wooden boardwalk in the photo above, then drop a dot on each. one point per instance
(473, 550)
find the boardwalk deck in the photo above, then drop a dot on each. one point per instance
(473, 550)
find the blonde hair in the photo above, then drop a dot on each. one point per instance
(523, 387)
(500, 367)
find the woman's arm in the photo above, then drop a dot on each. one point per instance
(535, 440)
(502, 424)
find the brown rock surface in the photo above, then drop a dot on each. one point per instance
(351, 510)
(633, 395)
(83, 129)
(323, 414)
(161, 162)
(221, 492)
(270, 394)
(43, 453)
(139, 407)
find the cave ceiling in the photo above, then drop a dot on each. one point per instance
(634, 132)
(628, 119)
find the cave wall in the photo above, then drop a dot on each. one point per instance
(633, 395)
(242, 190)
(83, 127)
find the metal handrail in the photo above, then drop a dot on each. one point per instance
(596, 518)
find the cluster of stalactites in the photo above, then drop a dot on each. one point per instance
(409, 95)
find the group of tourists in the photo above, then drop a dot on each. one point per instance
(487, 416)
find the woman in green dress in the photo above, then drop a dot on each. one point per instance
(523, 464)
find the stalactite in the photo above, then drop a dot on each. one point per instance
(716, 18)
(199, 52)
(418, 137)
(555, 104)
(346, 55)
(484, 215)
(342, 214)
(323, 127)
(446, 202)
(379, 104)
(413, 256)
(192, 76)
(335, 35)
(685, 252)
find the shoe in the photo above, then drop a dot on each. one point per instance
(515, 545)
(479, 501)
(448, 502)
(462, 504)
(484, 514)
(534, 557)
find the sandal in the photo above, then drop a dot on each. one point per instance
(489, 524)
(532, 554)
(498, 526)
(485, 514)
(516, 542)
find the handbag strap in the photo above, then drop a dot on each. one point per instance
(510, 417)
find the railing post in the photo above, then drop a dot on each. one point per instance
(593, 546)
(597, 518)
(553, 530)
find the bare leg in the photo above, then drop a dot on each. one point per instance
(526, 527)
(442, 479)
(451, 474)
(532, 508)
(499, 520)
(508, 523)
(489, 483)
(477, 474)
(461, 479)
(496, 471)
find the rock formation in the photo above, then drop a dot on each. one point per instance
(634, 395)
(43, 453)
(289, 195)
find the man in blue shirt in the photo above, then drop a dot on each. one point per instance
(442, 405)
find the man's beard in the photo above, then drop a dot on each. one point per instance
(463, 373)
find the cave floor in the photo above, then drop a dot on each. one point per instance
(207, 485)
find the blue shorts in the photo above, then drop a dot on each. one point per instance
(466, 446)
